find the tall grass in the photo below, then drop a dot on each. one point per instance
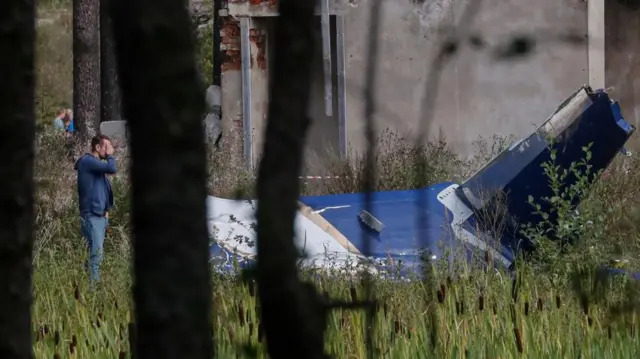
(472, 313)
(474, 316)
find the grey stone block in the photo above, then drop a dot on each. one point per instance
(117, 130)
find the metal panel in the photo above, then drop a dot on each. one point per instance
(342, 85)
(245, 49)
(516, 174)
(326, 58)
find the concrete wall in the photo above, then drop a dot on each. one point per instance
(323, 137)
(231, 77)
(623, 55)
(323, 134)
(477, 96)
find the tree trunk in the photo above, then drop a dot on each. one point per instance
(17, 120)
(110, 89)
(217, 71)
(164, 104)
(86, 67)
(217, 53)
(281, 293)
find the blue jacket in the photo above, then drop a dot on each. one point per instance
(94, 189)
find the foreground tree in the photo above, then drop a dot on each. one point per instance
(109, 87)
(86, 67)
(17, 119)
(164, 104)
(217, 52)
(282, 295)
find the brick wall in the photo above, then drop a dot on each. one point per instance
(258, 38)
(230, 47)
(231, 66)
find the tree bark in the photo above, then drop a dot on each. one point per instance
(217, 53)
(217, 68)
(17, 120)
(164, 104)
(86, 67)
(109, 87)
(281, 293)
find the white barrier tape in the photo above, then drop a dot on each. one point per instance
(320, 177)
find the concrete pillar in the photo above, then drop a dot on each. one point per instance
(231, 92)
(596, 42)
(259, 28)
(623, 64)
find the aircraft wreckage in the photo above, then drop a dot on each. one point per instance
(407, 226)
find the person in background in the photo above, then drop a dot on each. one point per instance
(67, 120)
(58, 123)
(95, 198)
(69, 131)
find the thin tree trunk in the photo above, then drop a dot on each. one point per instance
(17, 120)
(217, 67)
(282, 295)
(86, 67)
(110, 89)
(163, 103)
(217, 53)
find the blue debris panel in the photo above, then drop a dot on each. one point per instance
(587, 121)
(412, 220)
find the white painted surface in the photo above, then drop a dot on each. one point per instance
(461, 213)
(238, 234)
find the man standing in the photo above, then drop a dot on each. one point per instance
(95, 198)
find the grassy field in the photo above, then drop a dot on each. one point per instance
(470, 314)
(473, 314)
(473, 317)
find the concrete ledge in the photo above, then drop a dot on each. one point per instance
(267, 9)
(114, 129)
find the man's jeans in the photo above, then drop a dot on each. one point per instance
(93, 231)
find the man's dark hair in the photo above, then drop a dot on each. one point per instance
(98, 140)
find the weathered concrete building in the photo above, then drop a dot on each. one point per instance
(477, 95)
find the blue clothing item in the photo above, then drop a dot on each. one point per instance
(58, 124)
(94, 231)
(94, 189)
(70, 128)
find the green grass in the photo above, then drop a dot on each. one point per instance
(410, 314)
(475, 318)
(54, 59)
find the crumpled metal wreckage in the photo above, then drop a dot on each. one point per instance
(408, 226)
